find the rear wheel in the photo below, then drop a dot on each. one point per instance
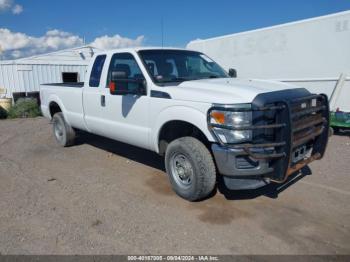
(64, 133)
(190, 168)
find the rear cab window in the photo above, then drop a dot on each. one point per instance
(96, 71)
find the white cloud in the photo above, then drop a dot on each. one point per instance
(17, 9)
(15, 45)
(10, 40)
(6, 5)
(116, 41)
(56, 39)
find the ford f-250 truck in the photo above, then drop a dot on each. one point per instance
(206, 122)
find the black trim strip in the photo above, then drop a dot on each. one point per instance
(160, 94)
(264, 155)
(251, 127)
(242, 146)
(246, 109)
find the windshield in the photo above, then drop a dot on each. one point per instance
(167, 66)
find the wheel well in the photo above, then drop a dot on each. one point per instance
(54, 108)
(175, 129)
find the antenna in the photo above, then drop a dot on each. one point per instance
(162, 29)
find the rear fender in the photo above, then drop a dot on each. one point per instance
(55, 99)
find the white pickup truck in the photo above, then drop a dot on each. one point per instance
(205, 121)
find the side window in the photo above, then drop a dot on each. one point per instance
(96, 71)
(126, 64)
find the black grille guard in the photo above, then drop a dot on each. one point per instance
(302, 119)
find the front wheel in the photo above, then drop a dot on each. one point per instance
(190, 168)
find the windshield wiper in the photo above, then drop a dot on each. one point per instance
(177, 79)
(197, 78)
(182, 79)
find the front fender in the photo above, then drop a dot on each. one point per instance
(180, 113)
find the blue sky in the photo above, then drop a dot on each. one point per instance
(183, 20)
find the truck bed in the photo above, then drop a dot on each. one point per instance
(69, 96)
(75, 84)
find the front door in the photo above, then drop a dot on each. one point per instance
(125, 117)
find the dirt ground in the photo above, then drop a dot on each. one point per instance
(104, 197)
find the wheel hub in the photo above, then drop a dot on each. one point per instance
(182, 170)
(58, 130)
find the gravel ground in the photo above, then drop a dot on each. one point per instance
(104, 197)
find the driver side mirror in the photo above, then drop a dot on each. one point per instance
(120, 84)
(232, 72)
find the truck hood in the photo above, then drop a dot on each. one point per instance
(224, 90)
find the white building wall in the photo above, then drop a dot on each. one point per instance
(27, 78)
(26, 74)
(310, 53)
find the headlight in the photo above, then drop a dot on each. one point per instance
(223, 121)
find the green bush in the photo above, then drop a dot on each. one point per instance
(3, 113)
(24, 107)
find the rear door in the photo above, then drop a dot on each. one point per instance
(92, 97)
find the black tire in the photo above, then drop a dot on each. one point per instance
(190, 168)
(63, 132)
(336, 130)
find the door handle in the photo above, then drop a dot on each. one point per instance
(103, 100)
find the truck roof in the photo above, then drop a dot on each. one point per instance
(136, 49)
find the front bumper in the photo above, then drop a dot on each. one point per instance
(239, 171)
(235, 162)
(281, 128)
